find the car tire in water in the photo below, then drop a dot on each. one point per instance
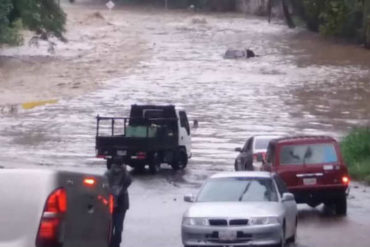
(341, 206)
(237, 166)
(293, 238)
(282, 241)
(180, 161)
(155, 164)
(109, 164)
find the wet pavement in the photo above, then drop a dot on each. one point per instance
(276, 93)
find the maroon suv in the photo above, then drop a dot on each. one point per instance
(312, 168)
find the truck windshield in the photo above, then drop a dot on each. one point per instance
(238, 189)
(308, 154)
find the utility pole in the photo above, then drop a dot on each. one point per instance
(287, 15)
(166, 4)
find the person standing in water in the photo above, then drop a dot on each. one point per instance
(119, 180)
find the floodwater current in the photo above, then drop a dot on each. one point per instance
(290, 88)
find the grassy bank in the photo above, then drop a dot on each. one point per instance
(356, 152)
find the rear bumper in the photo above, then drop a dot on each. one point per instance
(318, 194)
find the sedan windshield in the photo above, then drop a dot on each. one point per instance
(238, 189)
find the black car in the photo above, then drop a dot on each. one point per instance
(248, 155)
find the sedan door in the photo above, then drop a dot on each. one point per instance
(246, 156)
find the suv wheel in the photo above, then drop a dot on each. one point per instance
(341, 205)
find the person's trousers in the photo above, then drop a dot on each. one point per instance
(118, 218)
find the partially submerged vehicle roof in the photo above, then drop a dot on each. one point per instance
(302, 139)
(248, 174)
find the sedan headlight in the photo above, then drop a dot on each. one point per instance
(264, 221)
(195, 222)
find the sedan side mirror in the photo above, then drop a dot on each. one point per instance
(238, 150)
(189, 198)
(288, 197)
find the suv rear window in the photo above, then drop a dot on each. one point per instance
(308, 154)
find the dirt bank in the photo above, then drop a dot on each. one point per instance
(101, 46)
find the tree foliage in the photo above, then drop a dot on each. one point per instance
(8, 34)
(332, 17)
(45, 17)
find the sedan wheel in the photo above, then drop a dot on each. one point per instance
(282, 241)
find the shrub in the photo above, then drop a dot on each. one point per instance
(356, 153)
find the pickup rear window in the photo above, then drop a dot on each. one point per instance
(308, 154)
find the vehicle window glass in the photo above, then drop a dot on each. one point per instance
(270, 154)
(308, 154)
(184, 121)
(261, 143)
(281, 185)
(238, 189)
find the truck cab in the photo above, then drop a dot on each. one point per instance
(151, 135)
(312, 168)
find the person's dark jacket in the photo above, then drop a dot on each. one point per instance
(119, 180)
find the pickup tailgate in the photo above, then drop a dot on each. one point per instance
(109, 145)
(23, 194)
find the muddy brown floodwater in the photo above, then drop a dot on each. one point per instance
(299, 84)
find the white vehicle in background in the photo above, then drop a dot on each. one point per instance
(255, 147)
(45, 208)
(241, 209)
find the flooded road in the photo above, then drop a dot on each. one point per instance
(275, 93)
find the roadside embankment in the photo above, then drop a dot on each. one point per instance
(356, 152)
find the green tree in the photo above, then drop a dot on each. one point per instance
(8, 34)
(45, 17)
(42, 16)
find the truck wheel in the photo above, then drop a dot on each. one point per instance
(155, 164)
(109, 164)
(139, 168)
(341, 206)
(181, 161)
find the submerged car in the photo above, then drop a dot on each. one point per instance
(312, 168)
(248, 160)
(240, 209)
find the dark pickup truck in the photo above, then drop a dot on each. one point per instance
(152, 135)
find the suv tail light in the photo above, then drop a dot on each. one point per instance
(346, 180)
(52, 219)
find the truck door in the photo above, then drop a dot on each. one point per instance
(184, 132)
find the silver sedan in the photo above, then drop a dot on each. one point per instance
(240, 209)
